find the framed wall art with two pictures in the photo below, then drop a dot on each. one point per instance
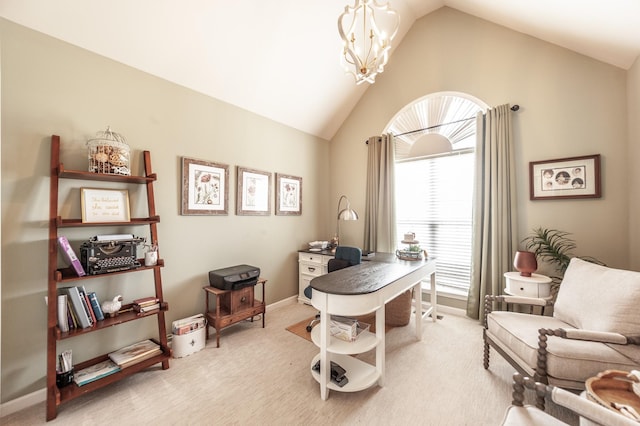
(253, 197)
(205, 187)
(565, 178)
(288, 195)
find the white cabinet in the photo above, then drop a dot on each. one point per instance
(310, 265)
(534, 286)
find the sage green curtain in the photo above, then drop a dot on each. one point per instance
(380, 209)
(494, 208)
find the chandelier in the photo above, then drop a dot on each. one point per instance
(367, 29)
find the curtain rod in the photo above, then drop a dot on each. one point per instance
(514, 108)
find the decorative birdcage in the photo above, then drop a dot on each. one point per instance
(109, 153)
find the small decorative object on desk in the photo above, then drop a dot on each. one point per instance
(109, 153)
(413, 252)
(318, 245)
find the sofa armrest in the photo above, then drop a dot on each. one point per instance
(590, 335)
(490, 300)
(576, 334)
(581, 406)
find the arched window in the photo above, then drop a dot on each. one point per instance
(435, 140)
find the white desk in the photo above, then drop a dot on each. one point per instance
(359, 290)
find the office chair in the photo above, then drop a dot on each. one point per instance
(345, 256)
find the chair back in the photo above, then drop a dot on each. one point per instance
(598, 298)
(345, 256)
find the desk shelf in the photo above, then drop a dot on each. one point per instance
(360, 374)
(365, 342)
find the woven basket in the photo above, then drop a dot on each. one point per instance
(397, 312)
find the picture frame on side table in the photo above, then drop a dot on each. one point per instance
(205, 187)
(565, 178)
(253, 197)
(288, 195)
(104, 205)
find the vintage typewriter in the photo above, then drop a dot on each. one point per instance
(103, 254)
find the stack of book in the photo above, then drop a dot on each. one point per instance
(133, 354)
(146, 305)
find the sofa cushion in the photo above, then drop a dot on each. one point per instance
(595, 297)
(567, 360)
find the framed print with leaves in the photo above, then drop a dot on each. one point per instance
(288, 195)
(205, 187)
(254, 192)
(565, 178)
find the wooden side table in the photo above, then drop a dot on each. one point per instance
(232, 306)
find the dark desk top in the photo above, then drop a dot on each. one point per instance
(366, 277)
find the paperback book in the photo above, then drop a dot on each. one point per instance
(95, 372)
(133, 354)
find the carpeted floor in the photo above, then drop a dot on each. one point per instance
(261, 377)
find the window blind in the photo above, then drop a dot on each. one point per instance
(434, 200)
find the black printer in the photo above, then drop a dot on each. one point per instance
(234, 277)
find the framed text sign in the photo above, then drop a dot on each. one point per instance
(104, 205)
(564, 178)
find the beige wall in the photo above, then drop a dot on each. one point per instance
(50, 87)
(570, 105)
(633, 93)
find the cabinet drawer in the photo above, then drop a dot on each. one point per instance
(313, 257)
(311, 269)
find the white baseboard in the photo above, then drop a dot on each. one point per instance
(23, 402)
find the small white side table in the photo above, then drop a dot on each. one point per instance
(534, 286)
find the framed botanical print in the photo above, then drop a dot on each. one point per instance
(205, 187)
(288, 195)
(253, 195)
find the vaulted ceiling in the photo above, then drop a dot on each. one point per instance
(279, 58)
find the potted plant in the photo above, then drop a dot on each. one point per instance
(554, 247)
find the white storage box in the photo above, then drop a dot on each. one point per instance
(189, 335)
(345, 328)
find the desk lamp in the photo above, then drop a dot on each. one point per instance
(344, 214)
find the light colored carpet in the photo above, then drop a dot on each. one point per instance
(261, 377)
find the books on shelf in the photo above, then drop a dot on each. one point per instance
(146, 305)
(75, 302)
(133, 354)
(95, 305)
(79, 309)
(95, 372)
(70, 255)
